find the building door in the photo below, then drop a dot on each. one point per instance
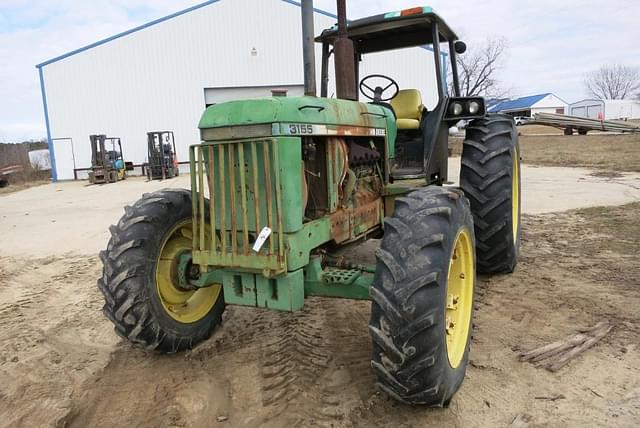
(579, 111)
(219, 95)
(594, 112)
(65, 158)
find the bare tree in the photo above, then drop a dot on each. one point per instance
(613, 82)
(477, 69)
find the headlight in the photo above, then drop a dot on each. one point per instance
(464, 107)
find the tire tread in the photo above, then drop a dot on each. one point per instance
(128, 263)
(407, 317)
(486, 179)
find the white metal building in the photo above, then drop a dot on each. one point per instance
(606, 109)
(161, 75)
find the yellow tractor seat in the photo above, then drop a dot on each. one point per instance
(408, 107)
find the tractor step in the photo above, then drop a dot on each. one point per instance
(340, 276)
(334, 282)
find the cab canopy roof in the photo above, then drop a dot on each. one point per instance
(393, 30)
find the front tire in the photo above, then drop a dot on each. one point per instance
(422, 297)
(143, 298)
(490, 178)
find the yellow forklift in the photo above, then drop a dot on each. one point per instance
(107, 166)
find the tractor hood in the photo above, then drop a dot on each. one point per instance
(307, 110)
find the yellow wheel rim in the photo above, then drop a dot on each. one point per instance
(515, 196)
(459, 298)
(184, 306)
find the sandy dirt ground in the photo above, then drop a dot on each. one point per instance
(18, 187)
(62, 365)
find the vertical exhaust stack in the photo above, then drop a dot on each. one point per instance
(344, 57)
(308, 48)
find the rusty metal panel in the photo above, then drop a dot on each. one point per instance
(349, 223)
(341, 226)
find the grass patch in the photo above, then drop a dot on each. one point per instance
(604, 152)
(619, 224)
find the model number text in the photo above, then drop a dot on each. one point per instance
(300, 129)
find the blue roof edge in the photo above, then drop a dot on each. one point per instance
(166, 18)
(315, 9)
(513, 104)
(125, 33)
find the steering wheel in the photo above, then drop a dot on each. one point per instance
(376, 94)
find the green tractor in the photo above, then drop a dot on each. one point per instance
(279, 184)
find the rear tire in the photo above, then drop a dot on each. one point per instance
(490, 178)
(130, 280)
(418, 357)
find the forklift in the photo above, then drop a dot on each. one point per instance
(107, 166)
(163, 162)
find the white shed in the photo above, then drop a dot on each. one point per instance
(606, 109)
(592, 109)
(161, 75)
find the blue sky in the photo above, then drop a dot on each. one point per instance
(552, 43)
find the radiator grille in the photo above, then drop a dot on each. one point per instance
(241, 181)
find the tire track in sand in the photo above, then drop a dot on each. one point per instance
(260, 368)
(51, 340)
